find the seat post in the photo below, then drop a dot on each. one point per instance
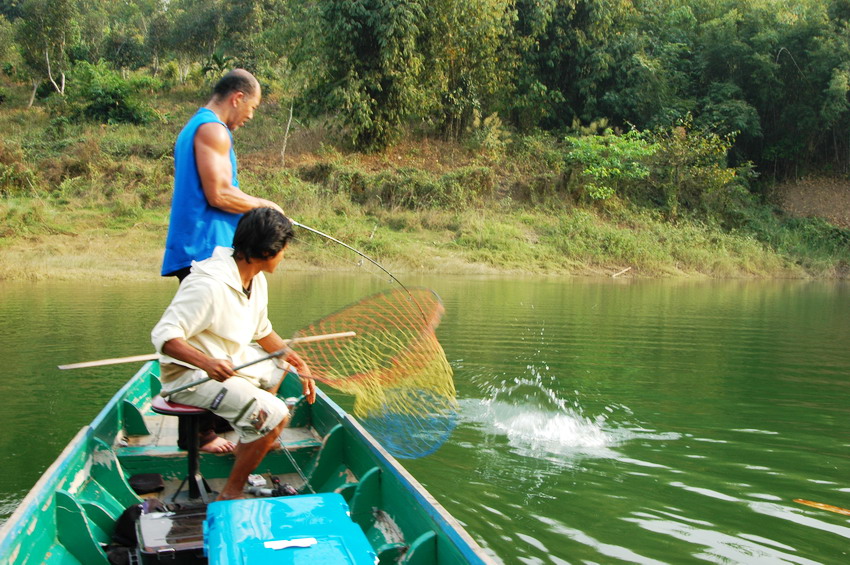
(194, 453)
(197, 486)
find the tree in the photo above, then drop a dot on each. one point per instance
(7, 45)
(44, 32)
(372, 66)
(467, 58)
(197, 31)
(570, 55)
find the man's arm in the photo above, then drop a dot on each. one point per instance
(217, 369)
(212, 155)
(273, 342)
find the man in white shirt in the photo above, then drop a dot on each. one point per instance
(219, 312)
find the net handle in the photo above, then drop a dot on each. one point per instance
(278, 353)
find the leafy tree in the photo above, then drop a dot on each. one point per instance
(690, 171)
(606, 164)
(44, 32)
(158, 35)
(8, 50)
(197, 31)
(217, 64)
(10, 9)
(126, 50)
(571, 53)
(103, 96)
(246, 23)
(372, 66)
(468, 65)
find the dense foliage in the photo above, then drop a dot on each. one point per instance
(775, 73)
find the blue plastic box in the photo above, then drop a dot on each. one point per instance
(298, 530)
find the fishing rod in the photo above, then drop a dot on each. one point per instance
(335, 240)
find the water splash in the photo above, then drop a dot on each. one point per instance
(528, 428)
(540, 421)
(536, 419)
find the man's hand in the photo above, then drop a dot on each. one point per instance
(308, 385)
(308, 389)
(269, 204)
(218, 369)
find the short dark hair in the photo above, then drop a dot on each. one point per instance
(237, 80)
(261, 233)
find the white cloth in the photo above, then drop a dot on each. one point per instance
(213, 314)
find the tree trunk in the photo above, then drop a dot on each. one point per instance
(286, 135)
(35, 83)
(59, 89)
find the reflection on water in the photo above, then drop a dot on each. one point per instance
(601, 421)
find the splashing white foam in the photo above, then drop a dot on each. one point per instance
(538, 421)
(532, 431)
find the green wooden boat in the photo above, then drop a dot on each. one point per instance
(70, 515)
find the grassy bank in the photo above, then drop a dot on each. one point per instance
(84, 200)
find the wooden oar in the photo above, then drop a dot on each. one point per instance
(152, 356)
(115, 361)
(823, 506)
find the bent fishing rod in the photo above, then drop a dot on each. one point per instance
(335, 240)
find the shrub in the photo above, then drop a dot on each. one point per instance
(606, 164)
(103, 96)
(15, 176)
(690, 171)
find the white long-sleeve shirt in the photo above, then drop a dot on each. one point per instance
(213, 314)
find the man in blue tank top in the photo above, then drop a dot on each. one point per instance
(207, 201)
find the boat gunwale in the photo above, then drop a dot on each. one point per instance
(36, 498)
(14, 525)
(39, 491)
(469, 548)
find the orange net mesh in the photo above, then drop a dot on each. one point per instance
(394, 366)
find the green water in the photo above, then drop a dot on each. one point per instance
(602, 421)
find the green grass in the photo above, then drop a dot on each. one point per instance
(98, 196)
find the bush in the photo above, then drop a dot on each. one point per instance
(606, 164)
(100, 94)
(690, 172)
(15, 176)
(408, 188)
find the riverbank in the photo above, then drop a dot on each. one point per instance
(80, 244)
(89, 201)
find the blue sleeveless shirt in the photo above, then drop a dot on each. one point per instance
(195, 227)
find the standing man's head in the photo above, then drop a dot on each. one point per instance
(261, 234)
(236, 95)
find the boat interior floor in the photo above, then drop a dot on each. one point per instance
(163, 435)
(162, 442)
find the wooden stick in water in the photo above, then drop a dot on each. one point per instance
(822, 506)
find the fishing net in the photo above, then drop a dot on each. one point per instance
(394, 367)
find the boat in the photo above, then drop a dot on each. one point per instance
(354, 502)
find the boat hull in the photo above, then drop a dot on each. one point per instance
(69, 515)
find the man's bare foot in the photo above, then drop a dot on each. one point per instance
(218, 445)
(231, 496)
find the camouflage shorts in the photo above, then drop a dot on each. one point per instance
(252, 411)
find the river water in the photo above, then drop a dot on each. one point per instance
(602, 421)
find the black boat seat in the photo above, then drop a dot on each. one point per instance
(198, 487)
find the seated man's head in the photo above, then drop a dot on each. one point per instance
(261, 234)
